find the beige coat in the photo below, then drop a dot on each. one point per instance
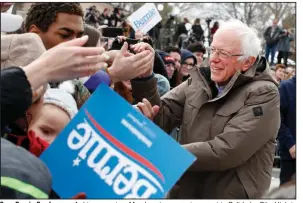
(232, 135)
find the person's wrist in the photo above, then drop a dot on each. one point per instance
(37, 74)
(111, 72)
(147, 75)
(143, 78)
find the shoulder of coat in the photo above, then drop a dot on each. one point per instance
(261, 87)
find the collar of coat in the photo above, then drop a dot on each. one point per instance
(259, 71)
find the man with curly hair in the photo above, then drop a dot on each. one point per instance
(55, 22)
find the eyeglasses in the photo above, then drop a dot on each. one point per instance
(188, 64)
(222, 53)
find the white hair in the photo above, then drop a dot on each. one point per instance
(250, 42)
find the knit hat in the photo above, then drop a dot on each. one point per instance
(20, 49)
(167, 59)
(185, 54)
(162, 84)
(62, 99)
(95, 80)
(10, 22)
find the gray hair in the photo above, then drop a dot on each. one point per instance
(250, 42)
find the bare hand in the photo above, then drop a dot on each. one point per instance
(292, 152)
(112, 55)
(37, 94)
(140, 47)
(127, 66)
(69, 60)
(147, 110)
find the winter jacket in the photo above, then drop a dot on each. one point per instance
(181, 29)
(104, 20)
(287, 132)
(284, 42)
(23, 176)
(16, 95)
(115, 18)
(232, 135)
(198, 31)
(91, 18)
(272, 39)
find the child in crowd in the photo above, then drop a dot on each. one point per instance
(58, 110)
(21, 50)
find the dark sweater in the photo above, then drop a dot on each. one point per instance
(287, 132)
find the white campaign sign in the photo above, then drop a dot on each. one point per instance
(145, 18)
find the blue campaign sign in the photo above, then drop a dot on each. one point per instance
(110, 150)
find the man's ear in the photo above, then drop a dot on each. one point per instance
(248, 63)
(34, 29)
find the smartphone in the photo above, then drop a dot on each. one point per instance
(131, 41)
(112, 32)
(117, 45)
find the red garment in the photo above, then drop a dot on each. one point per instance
(30, 142)
(37, 145)
(213, 30)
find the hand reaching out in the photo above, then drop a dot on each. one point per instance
(147, 109)
(127, 66)
(140, 47)
(66, 61)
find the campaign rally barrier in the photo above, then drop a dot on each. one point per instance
(110, 150)
(145, 18)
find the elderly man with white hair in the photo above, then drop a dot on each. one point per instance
(229, 116)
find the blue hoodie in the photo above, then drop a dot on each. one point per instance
(287, 132)
(185, 54)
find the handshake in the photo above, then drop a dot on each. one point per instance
(74, 61)
(119, 41)
(131, 58)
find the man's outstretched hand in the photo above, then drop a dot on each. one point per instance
(147, 109)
